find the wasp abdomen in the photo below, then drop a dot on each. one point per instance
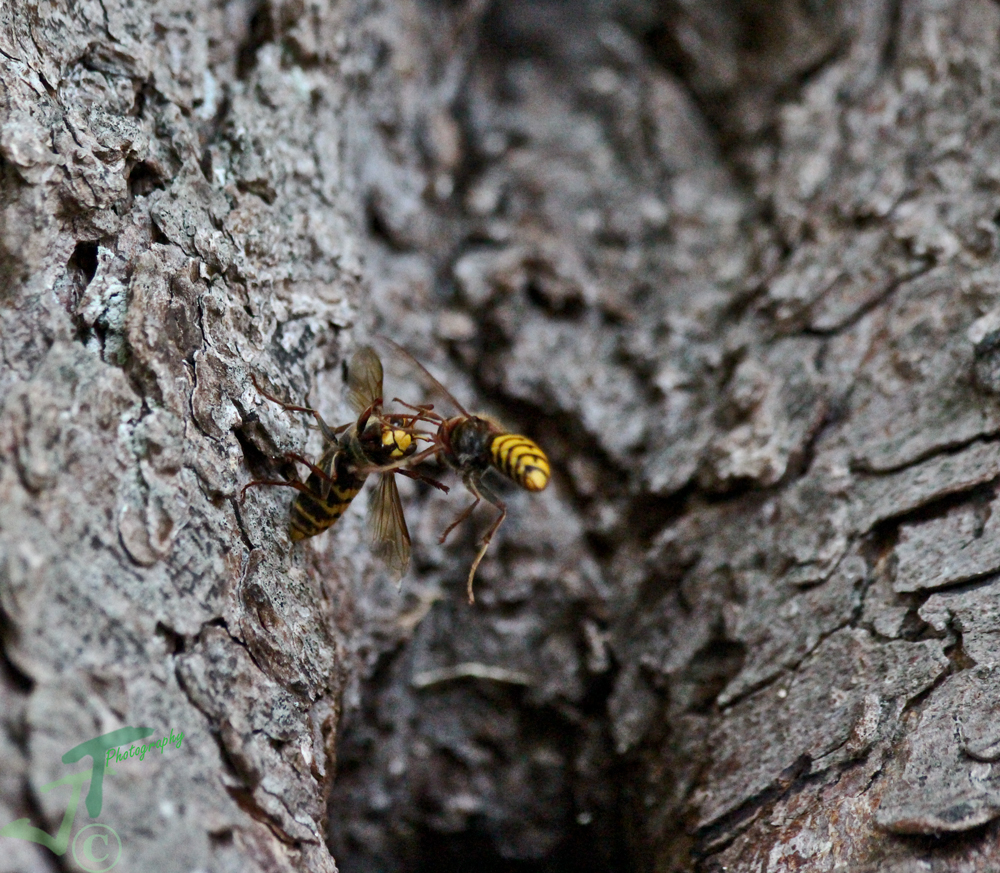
(522, 460)
(312, 514)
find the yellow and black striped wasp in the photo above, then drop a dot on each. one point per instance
(471, 445)
(375, 443)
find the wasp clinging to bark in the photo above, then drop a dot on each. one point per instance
(376, 442)
(472, 444)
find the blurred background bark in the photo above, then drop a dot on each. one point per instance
(734, 264)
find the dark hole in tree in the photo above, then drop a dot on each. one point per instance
(583, 851)
(378, 225)
(143, 179)
(260, 31)
(80, 271)
(560, 305)
(261, 465)
(11, 675)
(84, 261)
(581, 808)
(158, 235)
(667, 51)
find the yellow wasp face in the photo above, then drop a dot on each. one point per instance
(397, 442)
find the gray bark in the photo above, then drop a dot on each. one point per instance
(733, 264)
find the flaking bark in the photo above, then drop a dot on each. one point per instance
(734, 265)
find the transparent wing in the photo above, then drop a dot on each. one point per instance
(328, 464)
(364, 379)
(390, 538)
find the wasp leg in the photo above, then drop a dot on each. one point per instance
(417, 407)
(423, 477)
(328, 432)
(483, 546)
(423, 411)
(399, 421)
(326, 478)
(291, 483)
(319, 471)
(289, 406)
(462, 516)
(401, 466)
(481, 491)
(411, 461)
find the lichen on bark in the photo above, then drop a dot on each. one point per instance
(733, 264)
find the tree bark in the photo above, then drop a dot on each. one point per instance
(733, 264)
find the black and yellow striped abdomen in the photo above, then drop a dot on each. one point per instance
(313, 513)
(326, 498)
(521, 459)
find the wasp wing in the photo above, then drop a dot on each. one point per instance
(364, 379)
(328, 464)
(390, 538)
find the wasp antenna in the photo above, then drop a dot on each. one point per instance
(397, 347)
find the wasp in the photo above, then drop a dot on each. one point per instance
(375, 442)
(471, 445)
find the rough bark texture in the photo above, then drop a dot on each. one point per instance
(734, 264)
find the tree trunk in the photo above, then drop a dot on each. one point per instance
(733, 264)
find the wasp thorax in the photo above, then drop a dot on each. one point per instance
(470, 439)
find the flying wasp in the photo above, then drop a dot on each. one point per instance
(471, 445)
(375, 442)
